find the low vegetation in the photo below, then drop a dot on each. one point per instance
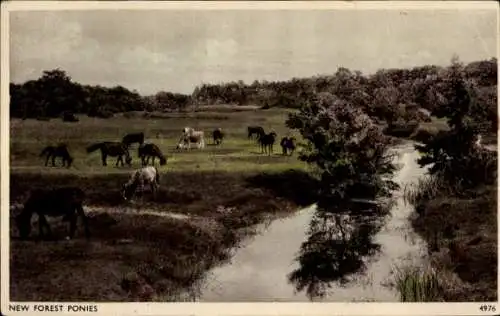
(148, 249)
(158, 249)
(456, 205)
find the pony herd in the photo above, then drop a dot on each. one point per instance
(67, 202)
(267, 141)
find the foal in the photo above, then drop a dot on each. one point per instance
(66, 202)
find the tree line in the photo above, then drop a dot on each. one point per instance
(389, 95)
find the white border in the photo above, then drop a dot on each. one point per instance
(211, 308)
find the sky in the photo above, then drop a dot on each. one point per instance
(165, 50)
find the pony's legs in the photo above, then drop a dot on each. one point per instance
(47, 160)
(103, 157)
(53, 160)
(42, 222)
(81, 213)
(153, 188)
(72, 226)
(119, 159)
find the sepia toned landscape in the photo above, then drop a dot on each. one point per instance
(296, 177)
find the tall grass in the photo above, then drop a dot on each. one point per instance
(424, 189)
(416, 285)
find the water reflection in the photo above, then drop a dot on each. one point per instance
(336, 248)
(316, 251)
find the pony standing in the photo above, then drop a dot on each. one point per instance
(113, 149)
(139, 178)
(53, 152)
(266, 142)
(288, 144)
(189, 135)
(255, 130)
(218, 136)
(130, 139)
(66, 202)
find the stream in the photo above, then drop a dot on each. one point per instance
(258, 271)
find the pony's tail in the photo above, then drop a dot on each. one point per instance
(45, 151)
(94, 147)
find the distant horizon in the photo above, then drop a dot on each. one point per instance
(177, 50)
(251, 81)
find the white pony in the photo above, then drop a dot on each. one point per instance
(140, 177)
(189, 135)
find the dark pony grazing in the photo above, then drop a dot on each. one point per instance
(113, 149)
(147, 151)
(66, 202)
(53, 152)
(267, 141)
(218, 136)
(69, 117)
(255, 130)
(146, 175)
(130, 139)
(288, 143)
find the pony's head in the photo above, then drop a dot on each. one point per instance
(186, 130)
(23, 224)
(182, 143)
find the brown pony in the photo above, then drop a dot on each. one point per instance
(147, 151)
(66, 202)
(113, 149)
(53, 152)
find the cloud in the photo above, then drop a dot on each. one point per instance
(155, 50)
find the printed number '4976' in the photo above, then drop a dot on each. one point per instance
(488, 308)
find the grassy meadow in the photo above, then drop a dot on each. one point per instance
(148, 249)
(158, 250)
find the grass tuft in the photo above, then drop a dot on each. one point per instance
(417, 285)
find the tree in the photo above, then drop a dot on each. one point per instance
(453, 155)
(348, 149)
(351, 157)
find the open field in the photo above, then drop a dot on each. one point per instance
(209, 201)
(147, 250)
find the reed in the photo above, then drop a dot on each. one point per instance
(416, 285)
